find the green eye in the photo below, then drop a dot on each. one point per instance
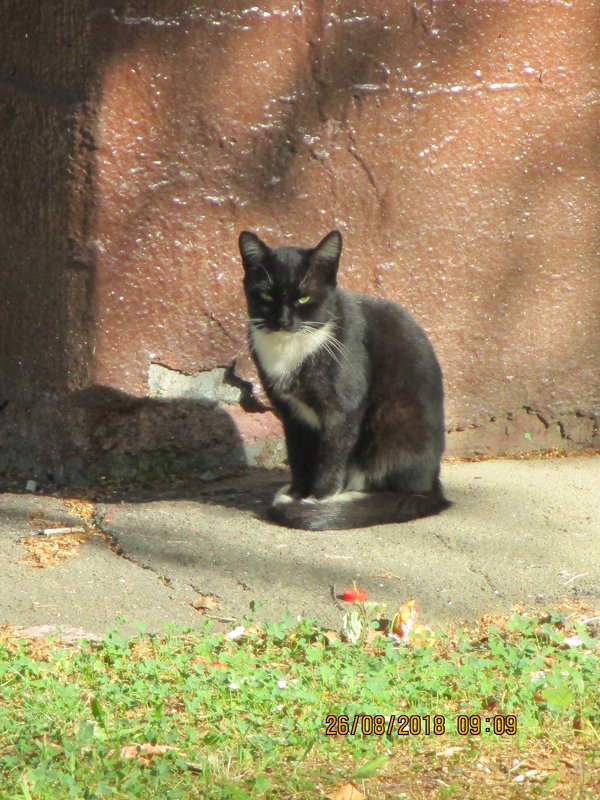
(266, 297)
(303, 300)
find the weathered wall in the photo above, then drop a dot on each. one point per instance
(46, 283)
(454, 144)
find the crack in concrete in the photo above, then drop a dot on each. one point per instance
(560, 424)
(89, 522)
(116, 548)
(443, 541)
(483, 574)
(471, 567)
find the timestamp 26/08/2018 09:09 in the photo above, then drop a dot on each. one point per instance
(415, 725)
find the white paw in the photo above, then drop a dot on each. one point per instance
(282, 497)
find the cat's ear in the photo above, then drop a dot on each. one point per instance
(326, 255)
(255, 252)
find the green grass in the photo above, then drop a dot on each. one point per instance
(248, 718)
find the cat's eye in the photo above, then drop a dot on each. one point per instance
(303, 300)
(266, 296)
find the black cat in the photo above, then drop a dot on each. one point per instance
(357, 386)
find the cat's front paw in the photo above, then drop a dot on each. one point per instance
(288, 494)
(296, 491)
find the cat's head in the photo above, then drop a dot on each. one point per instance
(289, 287)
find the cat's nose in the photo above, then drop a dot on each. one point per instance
(286, 321)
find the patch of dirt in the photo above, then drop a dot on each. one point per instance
(48, 551)
(84, 509)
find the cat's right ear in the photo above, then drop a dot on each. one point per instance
(330, 247)
(326, 256)
(255, 252)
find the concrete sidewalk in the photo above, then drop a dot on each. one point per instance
(519, 531)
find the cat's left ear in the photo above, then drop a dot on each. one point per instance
(326, 255)
(254, 251)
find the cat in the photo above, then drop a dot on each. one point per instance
(356, 384)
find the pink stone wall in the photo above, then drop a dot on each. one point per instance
(454, 144)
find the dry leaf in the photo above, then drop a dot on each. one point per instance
(422, 634)
(346, 792)
(404, 622)
(141, 649)
(405, 618)
(130, 751)
(144, 753)
(331, 636)
(448, 752)
(157, 749)
(205, 602)
(371, 635)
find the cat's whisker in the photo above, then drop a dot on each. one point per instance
(312, 329)
(335, 343)
(341, 349)
(326, 343)
(333, 340)
(332, 354)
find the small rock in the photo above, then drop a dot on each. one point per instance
(30, 486)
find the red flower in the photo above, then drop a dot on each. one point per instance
(354, 595)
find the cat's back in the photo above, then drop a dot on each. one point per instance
(396, 348)
(383, 323)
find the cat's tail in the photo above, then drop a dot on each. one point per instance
(355, 509)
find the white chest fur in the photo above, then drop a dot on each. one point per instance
(281, 354)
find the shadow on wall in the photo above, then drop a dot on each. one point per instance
(53, 428)
(114, 435)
